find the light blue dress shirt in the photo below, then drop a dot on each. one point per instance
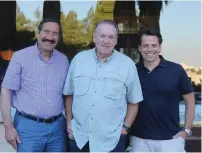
(100, 92)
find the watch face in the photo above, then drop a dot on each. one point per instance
(189, 132)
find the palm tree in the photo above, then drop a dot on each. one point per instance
(8, 24)
(51, 9)
(150, 11)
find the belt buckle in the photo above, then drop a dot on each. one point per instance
(50, 120)
(53, 119)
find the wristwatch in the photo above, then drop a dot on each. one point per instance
(188, 132)
(126, 127)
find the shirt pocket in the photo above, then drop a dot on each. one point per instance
(115, 88)
(81, 85)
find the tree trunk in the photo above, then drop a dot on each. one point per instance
(8, 24)
(150, 13)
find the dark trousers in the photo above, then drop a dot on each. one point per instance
(120, 147)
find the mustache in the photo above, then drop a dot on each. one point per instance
(49, 40)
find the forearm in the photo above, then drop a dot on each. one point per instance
(132, 110)
(68, 108)
(189, 110)
(190, 114)
(5, 105)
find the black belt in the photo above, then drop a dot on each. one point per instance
(49, 120)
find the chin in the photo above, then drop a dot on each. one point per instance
(48, 49)
(151, 60)
(108, 51)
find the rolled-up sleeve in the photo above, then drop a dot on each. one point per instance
(68, 87)
(13, 74)
(134, 90)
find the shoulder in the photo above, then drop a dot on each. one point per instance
(174, 66)
(23, 53)
(62, 57)
(83, 54)
(175, 69)
(123, 58)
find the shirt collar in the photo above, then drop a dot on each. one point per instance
(39, 53)
(107, 59)
(163, 62)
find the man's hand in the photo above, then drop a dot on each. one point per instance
(69, 130)
(182, 134)
(124, 132)
(12, 137)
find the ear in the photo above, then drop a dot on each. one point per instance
(116, 40)
(59, 37)
(160, 46)
(94, 37)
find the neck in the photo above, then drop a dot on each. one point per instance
(103, 57)
(46, 54)
(151, 65)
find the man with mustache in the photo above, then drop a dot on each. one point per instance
(102, 92)
(157, 126)
(33, 84)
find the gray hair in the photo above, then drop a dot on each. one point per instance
(110, 22)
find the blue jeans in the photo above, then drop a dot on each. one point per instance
(41, 137)
(120, 147)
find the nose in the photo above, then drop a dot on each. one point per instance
(49, 36)
(150, 48)
(106, 40)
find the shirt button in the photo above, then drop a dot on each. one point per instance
(95, 91)
(93, 105)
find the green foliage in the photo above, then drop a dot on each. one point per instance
(70, 26)
(21, 21)
(88, 27)
(193, 70)
(104, 11)
(38, 16)
(75, 32)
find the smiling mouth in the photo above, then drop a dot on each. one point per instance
(105, 46)
(49, 41)
(150, 54)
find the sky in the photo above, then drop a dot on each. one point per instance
(180, 25)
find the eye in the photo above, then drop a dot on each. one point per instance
(111, 37)
(45, 31)
(55, 33)
(145, 45)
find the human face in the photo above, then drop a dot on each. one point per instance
(48, 36)
(150, 48)
(105, 39)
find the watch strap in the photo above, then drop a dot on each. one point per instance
(126, 127)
